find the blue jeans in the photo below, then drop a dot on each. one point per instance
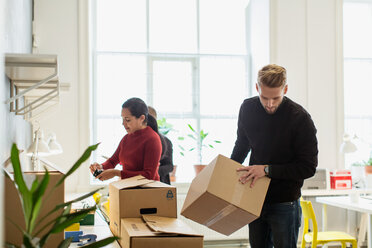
(277, 226)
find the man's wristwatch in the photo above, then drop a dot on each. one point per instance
(266, 169)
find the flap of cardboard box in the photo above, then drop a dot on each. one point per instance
(53, 168)
(168, 225)
(157, 184)
(138, 181)
(131, 182)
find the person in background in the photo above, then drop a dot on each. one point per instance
(166, 160)
(281, 137)
(139, 150)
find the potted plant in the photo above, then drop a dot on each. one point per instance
(368, 166)
(164, 126)
(200, 144)
(33, 198)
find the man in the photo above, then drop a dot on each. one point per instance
(166, 160)
(281, 137)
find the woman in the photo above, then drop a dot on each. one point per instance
(140, 149)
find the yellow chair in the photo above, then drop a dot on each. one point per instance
(321, 238)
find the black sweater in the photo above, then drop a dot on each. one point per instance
(285, 140)
(166, 161)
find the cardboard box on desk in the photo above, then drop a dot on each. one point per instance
(14, 212)
(219, 201)
(341, 179)
(158, 232)
(132, 197)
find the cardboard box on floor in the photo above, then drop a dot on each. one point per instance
(14, 212)
(158, 232)
(219, 201)
(132, 197)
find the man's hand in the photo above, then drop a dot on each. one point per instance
(253, 172)
(108, 174)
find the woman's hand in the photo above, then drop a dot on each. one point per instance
(108, 174)
(95, 166)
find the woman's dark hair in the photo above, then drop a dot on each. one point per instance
(151, 122)
(137, 107)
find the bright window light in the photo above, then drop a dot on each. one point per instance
(357, 21)
(187, 59)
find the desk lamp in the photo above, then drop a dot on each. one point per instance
(54, 146)
(41, 148)
(357, 171)
(38, 148)
(347, 145)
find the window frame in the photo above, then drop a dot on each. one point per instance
(151, 57)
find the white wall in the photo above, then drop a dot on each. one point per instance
(56, 31)
(15, 37)
(304, 37)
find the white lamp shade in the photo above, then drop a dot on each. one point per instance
(347, 146)
(39, 147)
(54, 146)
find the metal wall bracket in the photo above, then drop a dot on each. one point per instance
(33, 77)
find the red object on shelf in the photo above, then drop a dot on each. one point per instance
(341, 179)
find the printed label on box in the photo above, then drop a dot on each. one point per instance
(343, 184)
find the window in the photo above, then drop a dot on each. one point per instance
(358, 77)
(187, 59)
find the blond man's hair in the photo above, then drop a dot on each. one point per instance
(272, 76)
(152, 112)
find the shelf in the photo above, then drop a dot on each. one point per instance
(33, 77)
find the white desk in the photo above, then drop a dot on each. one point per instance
(331, 192)
(100, 228)
(364, 206)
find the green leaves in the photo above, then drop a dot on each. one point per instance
(65, 243)
(32, 200)
(201, 142)
(369, 162)
(363, 163)
(37, 195)
(67, 220)
(192, 129)
(25, 193)
(164, 126)
(102, 242)
(81, 160)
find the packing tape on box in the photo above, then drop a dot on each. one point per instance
(219, 215)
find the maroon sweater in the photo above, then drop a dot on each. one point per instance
(139, 153)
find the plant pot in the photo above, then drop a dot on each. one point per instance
(172, 175)
(368, 169)
(198, 168)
